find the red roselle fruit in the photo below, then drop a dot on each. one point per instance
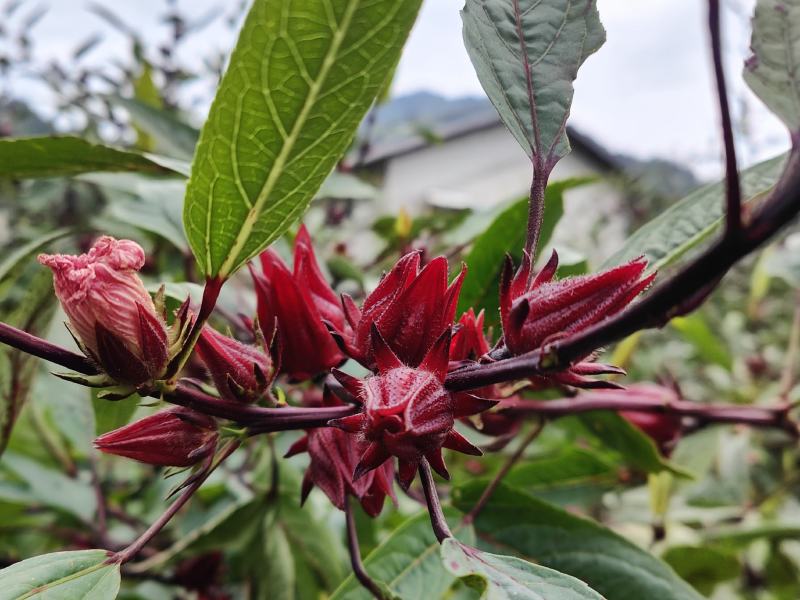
(334, 456)
(299, 302)
(408, 413)
(541, 310)
(177, 437)
(240, 372)
(663, 428)
(110, 311)
(410, 307)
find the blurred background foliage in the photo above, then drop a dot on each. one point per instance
(727, 522)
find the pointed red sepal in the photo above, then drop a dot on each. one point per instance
(405, 473)
(374, 456)
(152, 341)
(117, 360)
(436, 461)
(466, 404)
(548, 271)
(353, 385)
(351, 311)
(307, 486)
(385, 358)
(591, 368)
(438, 356)
(298, 447)
(456, 441)
(351, 424)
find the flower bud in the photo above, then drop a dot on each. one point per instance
(542, 310)
(410, 307)
(663, 428)
(334, 456)
(177, 437)
(109, 309)
(299, 302)
(469, 341)
(239, 371)
(408, 413)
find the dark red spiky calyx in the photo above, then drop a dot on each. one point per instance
(538, 309)
(407, 412)
(299, 303)
(334, 456)
(240, 371)
(177, 437)
(411, 307)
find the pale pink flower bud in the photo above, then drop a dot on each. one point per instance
(109, 308)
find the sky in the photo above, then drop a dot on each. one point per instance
(647, 92)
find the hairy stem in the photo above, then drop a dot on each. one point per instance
(535, 212)
(756, 416)
(36, 346)
(136, 546)
(440, 527)
(733, 193)
(355, 553)
(498, 478)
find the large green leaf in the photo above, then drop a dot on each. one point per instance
(689, 222)
(514, 521)
(771, 72)
(407, 562)
(509, 578)
(300, 79)
(65, 155)
(506, 235)
(61, 576)
(527, 54)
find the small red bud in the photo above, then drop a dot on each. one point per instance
(177, 437)
(239, 371)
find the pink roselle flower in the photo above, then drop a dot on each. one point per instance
(542, 310)
(408, 413)
(299, 302)
(177, 437)
(109, 309)
(334, 456)
(410, 307)
(240, 371)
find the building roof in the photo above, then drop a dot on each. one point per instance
(410, 123)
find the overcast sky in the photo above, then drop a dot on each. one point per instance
(647, 91)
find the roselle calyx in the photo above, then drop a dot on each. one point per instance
(240, 372)
(411, 308)
(334, 456)
(176, 437)
(298, 303)
(110, 312)
(663, 428)
(537, 309)
(407, 412)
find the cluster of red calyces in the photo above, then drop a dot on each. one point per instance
(536, 309)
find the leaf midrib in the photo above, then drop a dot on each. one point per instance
(288, 145)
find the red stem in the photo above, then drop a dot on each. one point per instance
(440, 527)
(355, 552)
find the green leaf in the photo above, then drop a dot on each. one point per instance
(539, 532)
(693, 220)
(636, 448)
(61, 575)
(570, 477)
(784, 263)
(49, 487)
(276, 573)
(65, 155)
(113, 415)
(299, 81)
(506, 235)
(532, 46)
(407, 562)
(509, 578)
(709, 347)
(15, 259)
(771, 71)
(169, 135)
(703, 566)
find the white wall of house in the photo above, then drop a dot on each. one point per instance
(484, 168)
